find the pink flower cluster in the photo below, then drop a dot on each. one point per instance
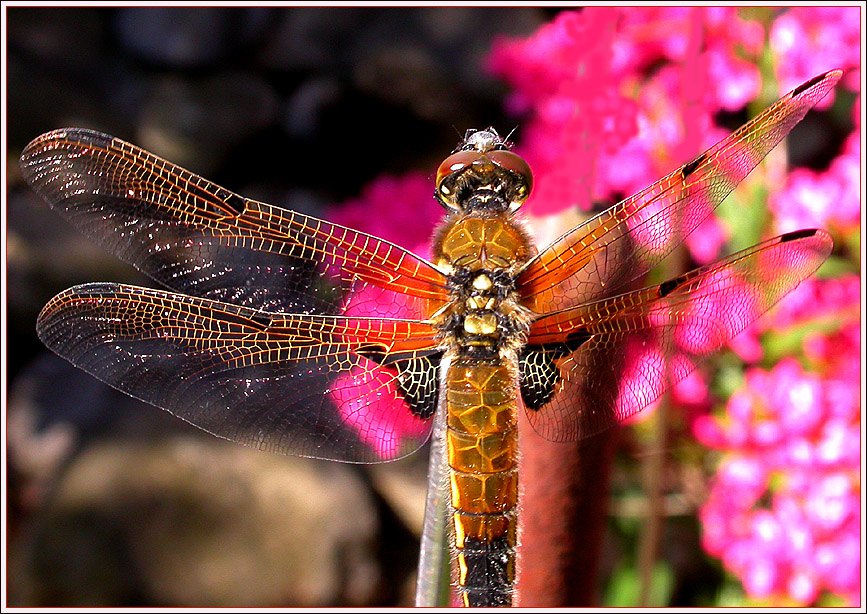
(621, 97)
(610, 113)
(822, 199)
(398, 209)
(808, 40)
(616, 99)
(784, 509)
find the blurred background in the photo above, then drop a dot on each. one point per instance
(114, 502)
(345, 113)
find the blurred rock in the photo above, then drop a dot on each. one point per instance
(303, 111)
(199, 522)
(186, 37)
(314, 39)
(196, 122)
(403, 485)
(45, 254)
(119, 503)
(65, 36)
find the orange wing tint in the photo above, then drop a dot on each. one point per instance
(319, 386)
(658, 335)
(623, 243)
(201, 239)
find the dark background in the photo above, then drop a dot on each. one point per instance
(299, 107)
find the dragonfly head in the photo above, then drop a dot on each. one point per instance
(483, 174)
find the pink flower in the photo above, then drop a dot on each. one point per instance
(830, 502)
(808, 41)
(805, 201)
(706, 241)
(846, 171)
(802, 586)
(651, 34)
(402, 210)
(838, 445)
(747, 345)
(844, 557)
(368, 401)
(761, 577)
(745, 478)
(811, 199)
(818, 298)
(735, 82)
(781, 445)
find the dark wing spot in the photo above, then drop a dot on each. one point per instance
(539, 372)
(807, 85)
(797, 234)
(539, 375)
(667, 287)
(417, 376)
(235, 203)
(418, 380)
(689, 168)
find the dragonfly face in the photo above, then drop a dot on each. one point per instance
(483, 167)
(295, 335)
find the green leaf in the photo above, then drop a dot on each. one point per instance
(624, 588)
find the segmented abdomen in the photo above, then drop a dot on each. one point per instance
(482, 436)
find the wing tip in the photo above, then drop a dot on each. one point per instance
(826, 80)
(82, 291)
(53, 138)
(823, 243)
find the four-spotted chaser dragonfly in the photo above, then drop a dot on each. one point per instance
(295, 335)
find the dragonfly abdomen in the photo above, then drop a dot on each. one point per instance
(481, 401)
(483, 327)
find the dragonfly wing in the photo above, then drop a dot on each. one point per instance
(341, 388)
(589, 367)
(621, 244)
(198, 238)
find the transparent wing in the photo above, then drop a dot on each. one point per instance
(617, 355)
(599, 257)
(319, 386)
(200, 239)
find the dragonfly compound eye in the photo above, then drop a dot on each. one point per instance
(448, 173)
(465, 171)
(519, 172)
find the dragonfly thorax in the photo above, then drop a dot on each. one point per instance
(481, 252)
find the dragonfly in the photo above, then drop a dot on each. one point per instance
(295, 335)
